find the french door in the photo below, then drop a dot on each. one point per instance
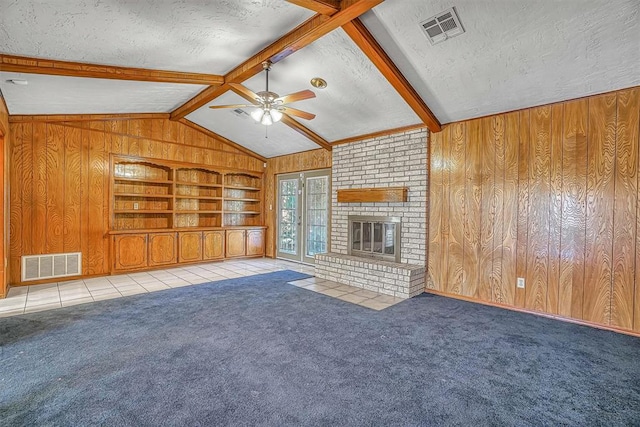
(303, 215)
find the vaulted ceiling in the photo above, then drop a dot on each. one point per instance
(179, 57)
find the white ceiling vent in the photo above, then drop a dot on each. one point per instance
(443, 26)
(240, 113)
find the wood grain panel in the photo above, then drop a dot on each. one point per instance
(97, 169)
(600, 203)
(444, 223)
(497, 134)
(130, 251)
(190, 248)
(522, 245)
(555, 208)
(212, 245)
(16, 189)
(72, 190)
(510, 210)
(255, 242)
(487, 209)
(55, 188)
(569, 224)
(39, 225)
(471, 221)
(27, 183)
(235, 243)
(162, 248)
(539, 188)
(434, 265)
(457, 149)
(625, 208)
(372, 195)
(574, 188)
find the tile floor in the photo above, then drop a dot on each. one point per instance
(29, 299)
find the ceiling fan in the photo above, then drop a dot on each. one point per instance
(269, 105)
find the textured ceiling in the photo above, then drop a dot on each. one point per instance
(357, 100)
(514, 54)
(179, 35)
(74, 95)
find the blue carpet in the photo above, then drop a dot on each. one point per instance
(256, 351)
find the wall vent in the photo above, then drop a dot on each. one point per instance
(443, 26)
(36, 267)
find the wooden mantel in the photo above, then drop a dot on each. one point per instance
(372, 195)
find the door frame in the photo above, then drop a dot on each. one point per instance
(301, 176)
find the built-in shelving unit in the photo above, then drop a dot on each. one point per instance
(175, 212)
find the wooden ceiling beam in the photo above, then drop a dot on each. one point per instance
(324, 7)
(301, 36)
(369, 45)
(22, 64)
(85, 117)
(235, 145)
(306, 132)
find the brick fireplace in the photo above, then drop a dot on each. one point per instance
(388, 161)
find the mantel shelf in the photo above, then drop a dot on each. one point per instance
(372, 195)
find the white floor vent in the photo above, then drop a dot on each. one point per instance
(35, 267)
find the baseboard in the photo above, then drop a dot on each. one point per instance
(537, 313)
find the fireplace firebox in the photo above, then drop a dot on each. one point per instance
(374, 237)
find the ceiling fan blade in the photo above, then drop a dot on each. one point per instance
(214, 107)
(246, 93)
(298, 113)
(297, 96)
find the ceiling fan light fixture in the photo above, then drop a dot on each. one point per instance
(266, 119)
(276, 115)
(257, 114)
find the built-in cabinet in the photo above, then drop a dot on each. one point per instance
(165, 213)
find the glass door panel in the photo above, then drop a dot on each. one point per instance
(316, 216)
(303, 215)
(288, 218)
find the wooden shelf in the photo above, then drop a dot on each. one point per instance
(182, 196)
(372, 195)
(242, 212)
(238, 187)
(142, 180)
(197, 184)
(198, 198)
(239, 199)
(197, 212)
(146, 196)
(142, 211)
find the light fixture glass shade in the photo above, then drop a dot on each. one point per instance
(257, 114)
(276, 115)
(266, 119)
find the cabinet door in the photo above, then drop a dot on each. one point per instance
(190, 246)
(130, 251)
(162, 248)
(213, 245)
(236, 243)
(255, 242)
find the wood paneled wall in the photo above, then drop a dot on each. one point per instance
(59, 176)
(4, 177)
(549, 194)
(308, 160)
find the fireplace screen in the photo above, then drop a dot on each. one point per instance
(375, 237)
